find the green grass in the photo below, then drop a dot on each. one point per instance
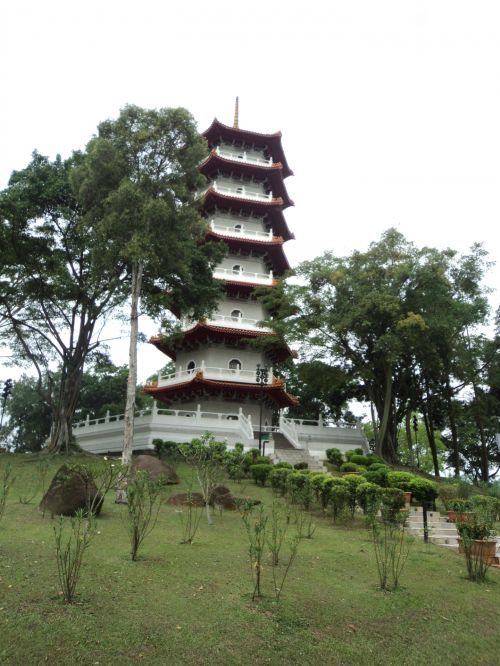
(191, 604)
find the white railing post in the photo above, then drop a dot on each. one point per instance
(87, 421)
(106, 418)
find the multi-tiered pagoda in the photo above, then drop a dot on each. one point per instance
(217, 361)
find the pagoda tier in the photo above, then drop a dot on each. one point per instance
(271, 215)
(199, 386)
(274, 256)
(235, 335)
(220, 163)
(219, 134)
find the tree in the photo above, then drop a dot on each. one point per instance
(372, 314)
(54, 288)
(148, 211)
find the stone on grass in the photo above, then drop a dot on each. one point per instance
(183, 499)
(155, 468)
(69, 491)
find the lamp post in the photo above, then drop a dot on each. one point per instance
(261, 375)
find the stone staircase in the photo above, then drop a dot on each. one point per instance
(440, 531)
(285, 452)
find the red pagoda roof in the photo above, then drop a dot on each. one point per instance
(202, 332)
(273, 174)
(273, 248)
(271, 142)
(235, 390)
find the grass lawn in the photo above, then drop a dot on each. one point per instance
(191, 604)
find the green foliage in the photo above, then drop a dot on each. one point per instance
(144, 498)
(167, 450)
(367, 496)
(351, 467)
(283, 465)
(459, 504)
(362, 460)
(446, 493)
(279, 523)
(279, 479)
(72, 537)
(260, 472)
(256, 531)
(392, 500)
(488, 505)
(334, 456)
(234, 463)
(377, 474)
(477, 528)
(402, 480)
(338, 498)
(423, 490)
(301, 465)
(390, 544)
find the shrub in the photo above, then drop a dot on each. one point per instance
(478, 527)
(296, 484)
(283, 465)
(166, 449)
(358, 459)
(367, 496)
(401, 480)
(338, 499)
(392, 500)
(334, 456)
(459, 505)
(301, 465)
(353, 481)
(278, 478)
(349, 454)
(465, 489)
(423, 490)
(144, 498)
(70, 547)
(260, 472)
(375, 460)
(488, 504)
(5, 484)
(377, 475)
(351, 467)
(446, 493)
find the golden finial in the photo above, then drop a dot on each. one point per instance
(236, 113)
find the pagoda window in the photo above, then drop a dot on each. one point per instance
(237, 269)
(236, 315)
(234, 364)
(238, 227)
(191, 366)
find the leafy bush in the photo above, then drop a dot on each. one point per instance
(375, 460)
(423, 490)
(490, 505)
(367, 495)
(392, 500)
(401, 480)
(260, 472)
(234, 463)
(465, 489)
(301, 465)
(446, 493)
(334, 456)
(300, 488)
(358, 459)
(459, 505)
(166, 449)
(338, 499)
(321, 490)
(377, 475)
(351, 467)
(283, 465)
(353, 481)
(278, 478)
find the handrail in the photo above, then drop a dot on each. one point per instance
(244, 157)
(289, 430)
(228, 273)
(241, 233)
(232, 374)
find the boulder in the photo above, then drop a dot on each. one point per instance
(69, 491)
(218, 492)
(155, 468)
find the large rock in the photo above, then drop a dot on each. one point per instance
(69, 491)
(184, 499)
(155, 468)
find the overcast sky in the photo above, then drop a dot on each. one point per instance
(390, 109)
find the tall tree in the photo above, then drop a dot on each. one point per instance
(53, 287)
(149, 215)
(372, 315)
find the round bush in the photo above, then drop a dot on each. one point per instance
(392, 500)
(278, 478)
(351, 467)
(261, 472)
(283, 465)
(334, 456)
(367, 495)
(377, 475)
(423, 490)
(360, 460)
(301, 465)
(402, 480)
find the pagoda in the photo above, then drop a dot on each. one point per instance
(224, 366)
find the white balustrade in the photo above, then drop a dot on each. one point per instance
(243, 276)
(222, 374)
(243, 156)
(239, 232)
(241, 192)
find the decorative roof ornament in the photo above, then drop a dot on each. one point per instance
(236, 113)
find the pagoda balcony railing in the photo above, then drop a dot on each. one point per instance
(244, 276)
(222, 374)
(238, 232)
(239, 191)
(243, 157)
(229, 321)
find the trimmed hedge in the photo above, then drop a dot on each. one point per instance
(261, 472)
(334, 456)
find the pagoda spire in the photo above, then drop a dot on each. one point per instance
(236, 113)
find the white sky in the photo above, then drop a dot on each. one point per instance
(390, 109)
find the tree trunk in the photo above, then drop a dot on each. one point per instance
(63, 412)
(128, 433)
(429, 427)
(409, 440)
(453, 430)
(384, 445)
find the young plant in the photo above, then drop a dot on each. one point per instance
(280, 520)
(294, 547)
(190, 516)
(70, 545)
(476, 535)
(37, 481)
(256, 532)
(390, 543)
(207, 457)
(144, 498)
(6, 481)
